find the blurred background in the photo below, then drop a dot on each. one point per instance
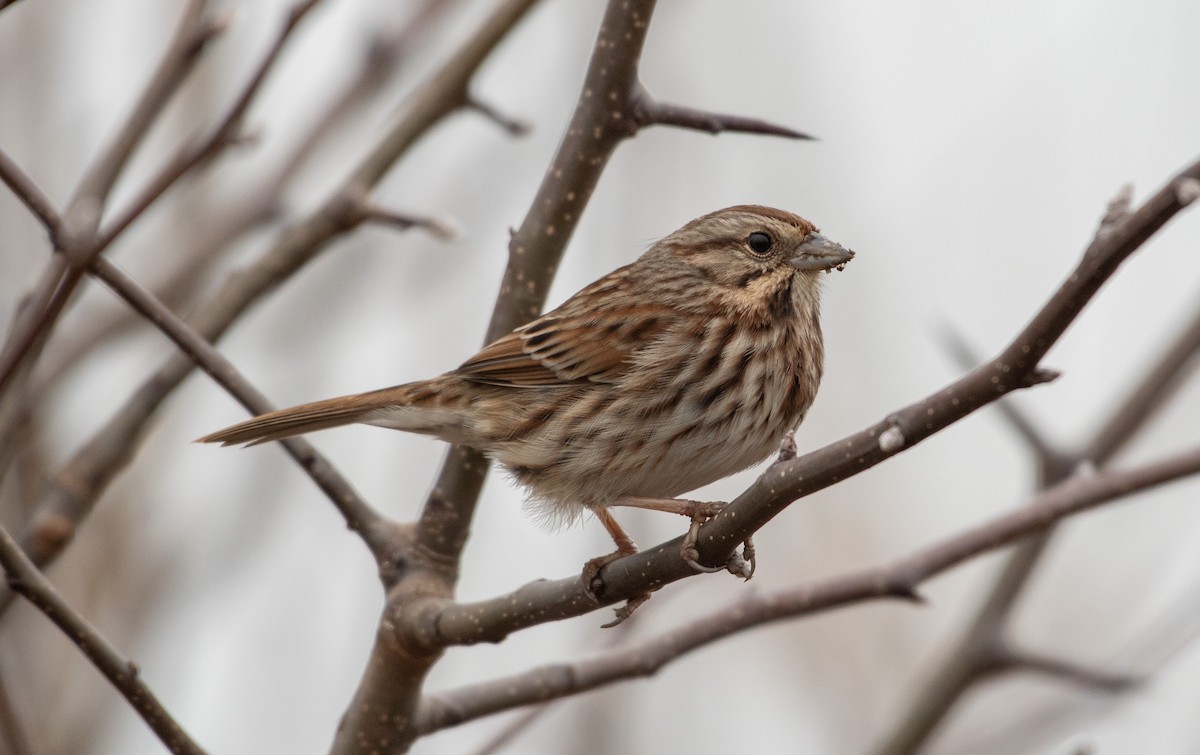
(966, 153)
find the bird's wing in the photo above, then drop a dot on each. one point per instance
(592, 337)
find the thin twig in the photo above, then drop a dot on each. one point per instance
(360, 517)
(30, 195)
(183, 53)
(223, 135)
(260, 200)
(74, 237)
(25, 579)
(1074, 673)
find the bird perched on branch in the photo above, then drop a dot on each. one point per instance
(682, 368)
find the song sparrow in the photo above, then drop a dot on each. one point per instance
(684, 367)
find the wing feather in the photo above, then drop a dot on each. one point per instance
(592, 337)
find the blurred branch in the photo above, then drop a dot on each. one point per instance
(513, 126)
(360, 517)
(30, 195)
(184, 51)
(899, 579)
(647, 111)
(13, 738)
(74, 238)
(965, 665)
(1074, 673)
(1144, 401)
(74, 490)
(966, 357)
(226, 133)
(261, 196)
(25, 579)
(363, 210)
(1156, 645)
(613, 638)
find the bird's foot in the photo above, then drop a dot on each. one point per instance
(591, 570)
(740, 565)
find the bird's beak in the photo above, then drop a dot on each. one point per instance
(819, 253)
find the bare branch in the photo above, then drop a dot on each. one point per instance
(30, 195)
(184, 51)
(80, 244)
(223, 135)
(360, 517)
(1158, 643)
(1074, 673)
(967, 358)
(261, 200)
(24, 578)
(73, 491)
(1144, 400)
(963, 666)
(901, 577)
(362, 210)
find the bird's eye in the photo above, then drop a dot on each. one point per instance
(759, 242)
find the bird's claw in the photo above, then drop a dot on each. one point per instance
(625, 611)
(742, 565)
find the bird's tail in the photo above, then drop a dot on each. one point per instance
(389, 407)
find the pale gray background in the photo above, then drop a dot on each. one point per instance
(967, 152)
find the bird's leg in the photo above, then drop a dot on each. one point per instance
(625, 547)
(699, 512)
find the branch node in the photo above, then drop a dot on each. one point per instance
(1187, 190)
(1118, 209)
(910, 593)
(1041, 375)
(78, 235)
(891, 440)
(900, 582)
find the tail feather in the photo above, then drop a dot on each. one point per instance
(319, 415)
